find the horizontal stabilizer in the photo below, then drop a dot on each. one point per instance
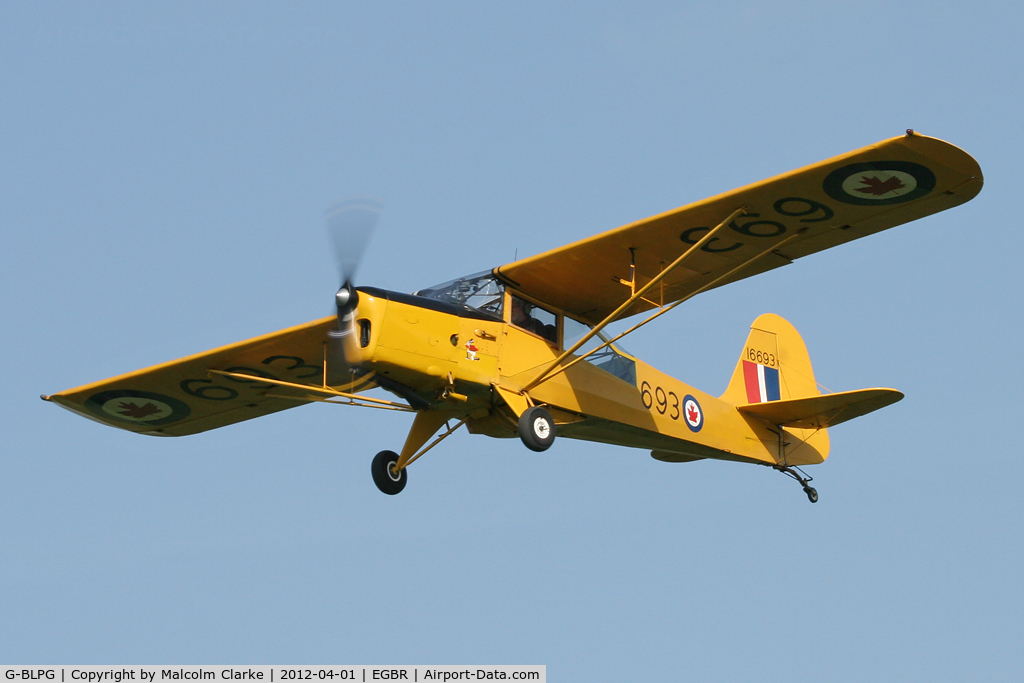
(819, 412)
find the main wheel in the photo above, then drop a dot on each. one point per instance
(384, 476)
(812, 495)
(537, 429)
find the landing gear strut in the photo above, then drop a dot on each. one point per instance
(805, 481)
(390, 470)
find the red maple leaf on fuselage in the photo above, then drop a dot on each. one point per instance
(136, 411)
(692, 415)
(872, 185)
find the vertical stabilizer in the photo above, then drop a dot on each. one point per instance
(774, 366)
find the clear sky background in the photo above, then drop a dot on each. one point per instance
(163, 176)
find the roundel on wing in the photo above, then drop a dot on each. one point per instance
(693, 414)
(879, 183)
(137, 407)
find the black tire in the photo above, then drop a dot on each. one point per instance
(383, 477)
(812, 495)
(537, 429)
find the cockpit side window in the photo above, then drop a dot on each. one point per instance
(533, 318)
(480, 291)
(610, 359)
(572, 332)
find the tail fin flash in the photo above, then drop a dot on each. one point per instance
(773, 366)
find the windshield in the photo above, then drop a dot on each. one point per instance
(481, 291)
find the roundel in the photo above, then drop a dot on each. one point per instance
(693, 414)
(879, 182)
(137, 407)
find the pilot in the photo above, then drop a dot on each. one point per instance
(521, 318)
(521, 313)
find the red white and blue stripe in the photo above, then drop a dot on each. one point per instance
(761, 381)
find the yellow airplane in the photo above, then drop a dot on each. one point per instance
(522, 350)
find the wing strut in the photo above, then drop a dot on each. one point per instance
(636, 295)
(363, 401)
(550, 371)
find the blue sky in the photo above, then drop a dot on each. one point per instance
(163, 179)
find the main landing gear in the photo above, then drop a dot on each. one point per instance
(796, 473)
(537, 429)
(389, 469)
(384, 473)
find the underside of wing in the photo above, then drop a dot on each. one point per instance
(827, 410)
(800, 212)
(184, 397)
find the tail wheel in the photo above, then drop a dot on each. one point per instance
(384, 475)
(537, 429)
(798, 474)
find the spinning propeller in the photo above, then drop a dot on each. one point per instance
(350, 224)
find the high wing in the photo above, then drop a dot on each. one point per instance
(183, 397)
(803, 211)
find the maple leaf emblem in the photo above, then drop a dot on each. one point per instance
(691, 414)
(872, 185)
(137, 412)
